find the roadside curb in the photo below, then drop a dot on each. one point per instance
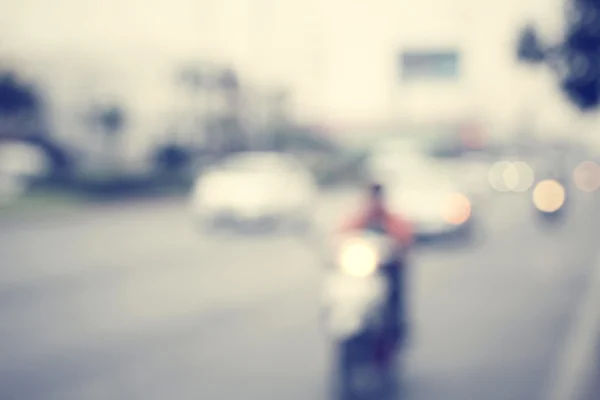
(573, 377)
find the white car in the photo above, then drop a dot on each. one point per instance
(254, 191)
(434, 149)
(433, 202)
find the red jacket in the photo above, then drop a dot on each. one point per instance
(396, 226)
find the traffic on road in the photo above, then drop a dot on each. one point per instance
(163, 299)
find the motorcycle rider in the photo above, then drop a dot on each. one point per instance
(378, 218)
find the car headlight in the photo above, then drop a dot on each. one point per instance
(357, 258)
(549, 196)
(457, 210)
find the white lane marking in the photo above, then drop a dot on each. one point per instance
(573, 374)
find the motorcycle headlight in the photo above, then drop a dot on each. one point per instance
(549, 196)
(457, 210)
(358, 258)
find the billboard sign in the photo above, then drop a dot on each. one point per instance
(429, 65)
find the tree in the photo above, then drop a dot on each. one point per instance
(581, 54)
(172, 158)
(529, 48)
(20, 104)
(577, 58)
(16, 96)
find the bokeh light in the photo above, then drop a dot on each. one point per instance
(459, 210)
(506, 176)
(510, 176)
(549, 196)
(496, 176)
(587, 176)
(525, 177)
(357, 258)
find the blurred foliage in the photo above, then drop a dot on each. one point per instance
(581, 53)
(529, 48)
(577, 58)
(17, 96)
(172, 157)
(175, 163)
(177, 175)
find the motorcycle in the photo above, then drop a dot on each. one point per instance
(550, 200)
(358, 313)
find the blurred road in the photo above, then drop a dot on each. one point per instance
(128, 302)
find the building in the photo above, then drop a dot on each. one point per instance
(339, 58)
(368, 82)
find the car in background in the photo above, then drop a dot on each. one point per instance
(437, 203)
(466, 164)
(443, 148)
(436, 206)
(255, 191)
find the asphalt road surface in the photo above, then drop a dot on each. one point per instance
(129, 302)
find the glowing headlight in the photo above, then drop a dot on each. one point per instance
(549, 196)
(358, 259)
(458, 210)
